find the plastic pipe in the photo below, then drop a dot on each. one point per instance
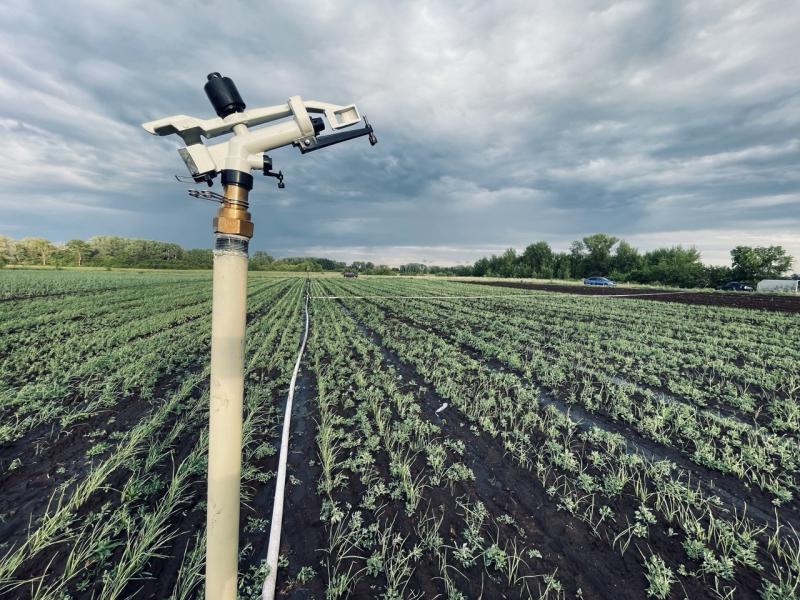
(273, 550)
(228, 320)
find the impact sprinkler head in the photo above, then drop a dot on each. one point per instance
(246, 150)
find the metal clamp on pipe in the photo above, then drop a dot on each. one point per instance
(234, 159)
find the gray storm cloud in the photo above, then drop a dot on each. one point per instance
(499, 123)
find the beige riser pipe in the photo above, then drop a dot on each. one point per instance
(228, 319)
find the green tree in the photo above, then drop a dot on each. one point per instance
(507, 263)
(261, 261)
(598, 247)
(384, 270)
(6, 250)
(717, 275)
(537, 260)
(36, 249)
(359, 266)
(577, 259)
(481, 267)
(677, 266)
(107, 249)
(295, 264)
(198, 258)
(413, 269)
(329, 264)
(625, 261)
(79, 250)
(752, 264)
(562, 265)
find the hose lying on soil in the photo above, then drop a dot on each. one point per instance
(268, 590)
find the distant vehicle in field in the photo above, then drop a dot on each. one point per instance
(735, 286)
(350, 274)
(789, 286)
(598, 281)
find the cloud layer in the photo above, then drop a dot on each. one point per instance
(661, 122)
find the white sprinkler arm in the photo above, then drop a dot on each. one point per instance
(244, 152)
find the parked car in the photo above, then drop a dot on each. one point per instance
(598, 281)
(735, 286)
(350, 274)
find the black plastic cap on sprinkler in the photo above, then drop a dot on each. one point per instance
(319, 125)
(224, 96)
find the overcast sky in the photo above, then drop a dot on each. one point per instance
(499, 123)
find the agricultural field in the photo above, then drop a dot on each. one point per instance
(104, 400)
(449, 441)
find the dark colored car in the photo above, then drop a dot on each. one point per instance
(598, 281)
(735, 286)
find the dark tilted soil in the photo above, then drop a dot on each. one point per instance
(775, 302)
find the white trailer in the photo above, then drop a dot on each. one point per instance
(778, 285)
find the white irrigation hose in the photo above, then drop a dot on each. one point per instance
(273, 550)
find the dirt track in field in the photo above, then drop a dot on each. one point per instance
(751, 300)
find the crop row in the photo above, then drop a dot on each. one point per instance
(21, 284)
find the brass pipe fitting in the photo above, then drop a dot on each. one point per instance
(233, 217)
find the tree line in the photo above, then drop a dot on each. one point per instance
(597, 254)
(605, 255)
(120, 252)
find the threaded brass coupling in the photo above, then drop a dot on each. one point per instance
(233, 217)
